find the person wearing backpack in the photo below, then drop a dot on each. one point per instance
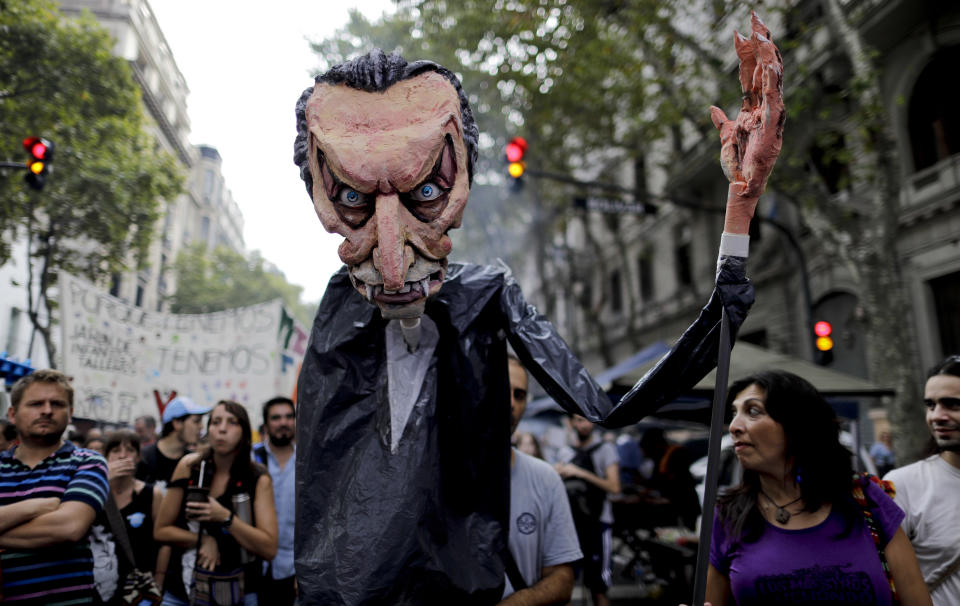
(543, 545)
(590, 469)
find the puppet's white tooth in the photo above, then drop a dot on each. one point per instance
(425, 286)
(369, 292)
(406, 287)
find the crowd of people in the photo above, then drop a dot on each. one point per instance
(202, 514)
(193, 516)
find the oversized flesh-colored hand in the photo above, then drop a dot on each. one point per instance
(750, 144)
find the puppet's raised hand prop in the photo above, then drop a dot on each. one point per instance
(751, 142)
(403, 444)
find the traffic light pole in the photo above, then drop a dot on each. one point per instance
(4, 164)
(780, 227)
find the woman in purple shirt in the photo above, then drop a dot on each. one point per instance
(792, 533)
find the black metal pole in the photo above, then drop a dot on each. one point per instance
(713, 461)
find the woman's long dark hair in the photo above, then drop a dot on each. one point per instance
(243, 467)
(813, 450)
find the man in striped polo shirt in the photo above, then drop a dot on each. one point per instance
(50, 493)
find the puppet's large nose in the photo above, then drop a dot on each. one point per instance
(389, 257)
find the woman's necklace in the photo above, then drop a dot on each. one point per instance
(782, 515)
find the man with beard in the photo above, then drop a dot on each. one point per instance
(928, 491)
(50, 493)
(277, 453)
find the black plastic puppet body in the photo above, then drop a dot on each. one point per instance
(424, 519)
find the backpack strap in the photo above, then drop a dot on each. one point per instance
(859, 495)
(119, 529)
(513, 571)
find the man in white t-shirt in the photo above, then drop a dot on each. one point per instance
(542, 539)
(929, 490)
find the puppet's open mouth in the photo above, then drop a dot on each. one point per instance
(410, 292)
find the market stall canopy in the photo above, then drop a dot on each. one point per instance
(747, 358)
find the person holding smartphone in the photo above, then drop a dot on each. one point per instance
(219, 502)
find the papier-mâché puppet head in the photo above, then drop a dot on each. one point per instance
(387, 149)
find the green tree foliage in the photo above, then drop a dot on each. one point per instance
(224, 279)
(97, 212)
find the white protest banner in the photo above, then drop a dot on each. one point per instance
(126, 361)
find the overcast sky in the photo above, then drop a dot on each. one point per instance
(246, 64)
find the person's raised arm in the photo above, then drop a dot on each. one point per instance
(165, 529)
(610, 484)
(751, 142)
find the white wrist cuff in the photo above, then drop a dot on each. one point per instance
(734, 245)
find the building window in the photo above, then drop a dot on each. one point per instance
(209, 181)
(830, 159)
(115, 285)
(683, 257)
(932, 120)
(140, 293)
(946, 302)
(645, 271)
(616, 295)
(205, 229)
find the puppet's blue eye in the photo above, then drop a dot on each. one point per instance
(352, 198)
(426, 192)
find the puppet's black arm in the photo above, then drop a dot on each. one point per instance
(557, 369)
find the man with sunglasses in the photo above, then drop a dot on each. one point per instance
(929, 490)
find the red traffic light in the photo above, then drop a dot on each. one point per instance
(515, 149)
(822, 329)
(38, 148)
(39, 163)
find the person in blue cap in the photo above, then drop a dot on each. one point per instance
(182, 424)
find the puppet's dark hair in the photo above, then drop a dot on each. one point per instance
(812, 441)
(376, 72)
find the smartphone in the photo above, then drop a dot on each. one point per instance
(198, 493)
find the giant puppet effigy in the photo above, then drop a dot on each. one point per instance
(404, 420)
